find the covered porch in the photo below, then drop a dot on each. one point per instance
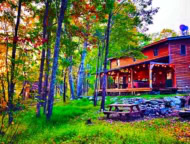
(143, 77)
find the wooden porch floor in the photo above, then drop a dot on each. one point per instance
(128, 90)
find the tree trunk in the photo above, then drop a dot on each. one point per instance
(71, 83)
(96, 82)
(12, 83)
(3, 89)
(61, 85)
(55, 60)
(64, 86)
(105, 63)
(84, 83)
(46, 86)
(87, 83)
(81, 71)
(6, 62)
(42, 59)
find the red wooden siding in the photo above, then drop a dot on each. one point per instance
(148, 52)
(182, 62)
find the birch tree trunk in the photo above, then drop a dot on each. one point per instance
(71, 82)
(55, 59)
(81, 71)
(42, 59)
(105, 63)
(12, 83)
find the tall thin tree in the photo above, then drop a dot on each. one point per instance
(71, 82)
(11, 86)
(48, 56)
(55, 59)
(42, 58)
(97, 73)
(105, 63)
(81, 71)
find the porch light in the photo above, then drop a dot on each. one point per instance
(143, 65)
(113, 73)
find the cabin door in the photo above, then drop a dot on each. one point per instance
(169, 79)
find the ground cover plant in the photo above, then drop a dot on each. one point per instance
(69, 125)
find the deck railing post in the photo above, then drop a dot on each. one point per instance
(174, 77)
(118, 80)
(131, 78)
(150, 75)
(132, 92)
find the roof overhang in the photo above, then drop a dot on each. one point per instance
(152, 61)
(166, 40)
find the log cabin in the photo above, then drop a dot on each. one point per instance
(165, 68)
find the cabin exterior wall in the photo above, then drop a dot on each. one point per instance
(181, 62)
(148, 53)
(169, 51)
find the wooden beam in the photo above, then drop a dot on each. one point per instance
(159, 63)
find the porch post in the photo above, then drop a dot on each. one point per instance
(174, 77)
(131, 78)
(132, 92)
(118, 80)
(150, 75)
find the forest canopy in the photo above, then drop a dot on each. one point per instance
(58, 47)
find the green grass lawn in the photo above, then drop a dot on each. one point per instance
(68, 126)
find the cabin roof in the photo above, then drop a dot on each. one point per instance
(167, 39)
(162, 41)
(134, 64)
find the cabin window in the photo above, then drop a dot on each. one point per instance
(183, 49)
(156, 51)
(134, 59)
(118, 62)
